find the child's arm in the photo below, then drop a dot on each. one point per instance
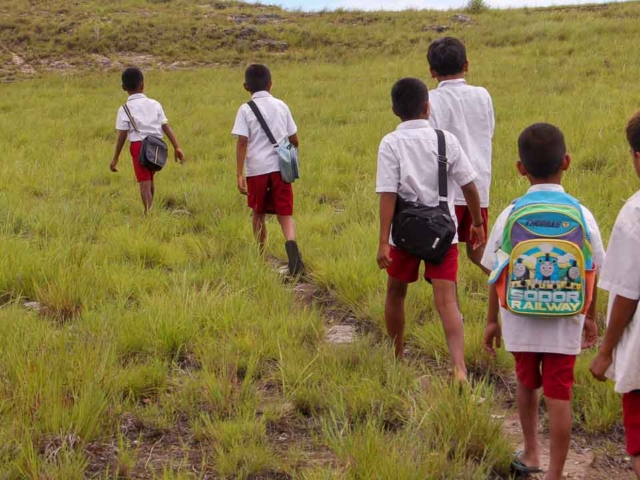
(241, 155)
(294, 140)
(492, 332)
(122, 138)
(387, 209)
(174, 141)
(590, 333)
(622, 313)
(472, 198)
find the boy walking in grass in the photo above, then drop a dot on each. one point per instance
(149, 120)
(467, 112)
(408, 166)
(619, 354)
(543, 254)
(258, 162)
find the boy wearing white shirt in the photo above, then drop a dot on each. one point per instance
(467, 112)
(262, 182)
(150, 120)
(619, 354)
(545, 348)
(408, 168)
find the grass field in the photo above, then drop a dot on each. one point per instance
(165, 347)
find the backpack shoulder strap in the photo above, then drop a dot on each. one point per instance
(263, 122)
(133, 122)
(443, 192)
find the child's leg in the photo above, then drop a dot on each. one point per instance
(288, 226)
(444, 292)
(394, 313)
(146, 194)
(260, 230)
(528, 401)
(560, 421)
(636, 466)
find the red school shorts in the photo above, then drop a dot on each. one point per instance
(551, 371)
(142, 174)
(465, 222)
(406, 268)
(268, 193)
(631, 414)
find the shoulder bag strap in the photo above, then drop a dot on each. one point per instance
(263, 123)
(133, 122)
(443, 191)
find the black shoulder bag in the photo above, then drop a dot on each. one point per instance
(426, 232)
(154, 152)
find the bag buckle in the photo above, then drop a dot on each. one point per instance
(442, 159)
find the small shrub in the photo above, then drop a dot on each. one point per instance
(476, 6)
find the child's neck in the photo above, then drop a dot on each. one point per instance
(134, 92)
(457, 76)
(555, 180)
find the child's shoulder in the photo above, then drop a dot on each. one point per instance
(631, 209)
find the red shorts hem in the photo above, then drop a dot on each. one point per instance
(551, 371)
(465, 222)
(268, 193)
(142, 174)
(406, 268)
(631, 415)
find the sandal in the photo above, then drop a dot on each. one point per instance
(520, 467)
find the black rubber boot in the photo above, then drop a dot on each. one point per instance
(296, 267)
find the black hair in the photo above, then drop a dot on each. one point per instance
(132, 78)
(633, 132)
(542, 150)
(409, 96)
(257, 77)
(447, 56)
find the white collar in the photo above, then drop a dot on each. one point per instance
(261, 94)
(546, 187)
(137, 96)
(413, 124)
(456, 82)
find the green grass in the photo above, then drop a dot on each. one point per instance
(175, 324)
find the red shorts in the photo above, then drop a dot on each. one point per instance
(406, 268)
(142, 174)
(465, 222)
(631, 413)
(551, 371)
(268, 193)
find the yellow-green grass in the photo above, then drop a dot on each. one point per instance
(176, 322)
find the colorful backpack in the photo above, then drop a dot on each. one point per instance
(545, 264)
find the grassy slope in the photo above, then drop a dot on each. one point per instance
(175, 323)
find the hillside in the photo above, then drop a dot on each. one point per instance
(65, 36)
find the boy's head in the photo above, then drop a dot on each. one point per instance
(410, 99)
(133, 80)
(257, 78)
(447, 57)
(543, 153)
(633, 136)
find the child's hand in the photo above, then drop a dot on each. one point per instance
(384, 256)
(477, 236)
(590, 333)
(180, 155)
(114, 164)
(600, 365)
(242, 185)
(492, 338)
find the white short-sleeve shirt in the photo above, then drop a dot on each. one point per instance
(262, 157)
(408, 165)
(148, 115)
(621, 276)
(538, 334)
(467, 112)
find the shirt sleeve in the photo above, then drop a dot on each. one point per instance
(162, 118)
(491, 114)
(292, 128)
(597, 244)
(495, 240)
(388, 176)
(621, 271)
(240, 127)
(460, 168)
(122, 121)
